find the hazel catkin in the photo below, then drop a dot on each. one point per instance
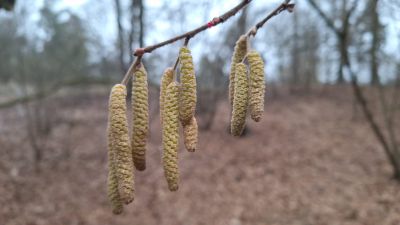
(240, 100)
(239, 53)
(170, 136)
(257, 85)
(140, 117)
(166, 79)
(188, 96)
(119, 143)
(190, 133)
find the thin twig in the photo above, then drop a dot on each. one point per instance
(187, 39)
(176, 63)
(131, 70)
(245, 58)
(192, 33)
(282, 7)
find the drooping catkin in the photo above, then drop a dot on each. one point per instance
(190, 132)
(239, 53)
(188, 96)
(140, 117)
(112, 180)
(240, 100)
(170, 136)
(257, 85)
(119, 143)
(166, 79)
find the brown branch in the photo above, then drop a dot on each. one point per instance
(282, 7)
(192, 33)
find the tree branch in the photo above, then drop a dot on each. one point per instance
(192, 33)
(139, 52)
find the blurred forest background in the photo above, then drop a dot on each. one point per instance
(326, 152)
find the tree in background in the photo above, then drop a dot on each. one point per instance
(7, 4)
(375, 28)
(305, 43)
(339, 23)
(132, 36)
(40, 67)
(385, 134)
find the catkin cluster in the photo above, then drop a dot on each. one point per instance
(188, 94)
(248, 91)
(239, 53)
(177, 105)
(140, 117)
(257, 85)
(120, 175)
(188, 99)
(170, 135)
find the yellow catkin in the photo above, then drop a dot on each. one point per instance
(238, 54)
(240, 101)
(190, 132)
(112, 180)
(166, 79)
(119, 142)
(140, 117)
(257, 85)
(170, 136)
(188, 96)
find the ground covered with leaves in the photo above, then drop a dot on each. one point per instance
(308, 162)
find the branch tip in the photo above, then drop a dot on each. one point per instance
(290, 7)
(139, 52)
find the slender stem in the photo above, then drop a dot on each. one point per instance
(176, 63)
(187, 39)
(131, 70)
(245, 58)
(192, 33)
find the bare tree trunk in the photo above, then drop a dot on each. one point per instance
(375, 42)
(121, 45)
(141, 22)
(342, 50)
(131, 38)
(295, 54)
(137, 24)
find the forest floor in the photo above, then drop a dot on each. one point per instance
(308, 162)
